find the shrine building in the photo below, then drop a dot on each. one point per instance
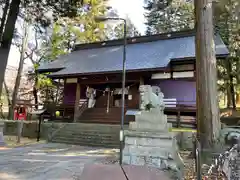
(164, 60)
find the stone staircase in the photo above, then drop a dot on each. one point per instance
(88, 135)
(100, 115)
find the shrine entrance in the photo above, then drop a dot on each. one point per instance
(110, 96)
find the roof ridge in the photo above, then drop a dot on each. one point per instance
(137, 39)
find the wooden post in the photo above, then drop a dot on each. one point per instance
(39, 126)
(141, 81)
(178, 117)
(56, 98)
(208, 122)
(78, 95)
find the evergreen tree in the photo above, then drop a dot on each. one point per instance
(169, 15)
(116, 31)
(227, 25)
(61, 37)
(68, 31)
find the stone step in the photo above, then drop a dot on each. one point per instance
(103, 121)
(86, 134)
(82, 135)
(90, 135)
(111, 113)
(92, 144)
(98, 118)
(89, 142)
(91, 131)
(86, 138)
(91, 126)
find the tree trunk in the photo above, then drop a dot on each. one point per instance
(8, 97)
(4, 15)
(229, 98)
(207, 102)
(231, 85)
(7, 93)
(35, 91)
(7, 38)
(237, 99)
(20, 68)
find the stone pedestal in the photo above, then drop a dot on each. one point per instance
(148, 142)
(1, 134)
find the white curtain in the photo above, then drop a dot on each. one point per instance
(119, 91)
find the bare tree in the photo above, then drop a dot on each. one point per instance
(23, 49)
(4, 16)
(7, 36)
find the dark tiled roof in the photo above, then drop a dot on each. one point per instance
(139, 56)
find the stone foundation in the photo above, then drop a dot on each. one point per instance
(149, 143)
(152, 149)
(1, 134)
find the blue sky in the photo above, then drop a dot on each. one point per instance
(131, 8)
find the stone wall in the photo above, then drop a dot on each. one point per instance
(185, 140)
(30, 128)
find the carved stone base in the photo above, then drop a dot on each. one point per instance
(152, 120)
(152, 149)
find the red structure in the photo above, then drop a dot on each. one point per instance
(20, 113)
(21, 109)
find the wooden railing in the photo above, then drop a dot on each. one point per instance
(67, 110)
(82, 108)
(181, 113)
(173, 103)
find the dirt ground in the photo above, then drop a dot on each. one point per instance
(11, 141)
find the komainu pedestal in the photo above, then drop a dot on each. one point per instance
(1, 134)
(148, 141)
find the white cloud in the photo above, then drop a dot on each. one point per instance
(133, 9)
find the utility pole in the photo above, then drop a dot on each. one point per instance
(208, 121)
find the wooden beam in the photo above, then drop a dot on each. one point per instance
(161, 76)
(77, 99)
(108, 79)
(141, 81)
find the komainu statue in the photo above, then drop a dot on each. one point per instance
(91, 94)
(151, 97)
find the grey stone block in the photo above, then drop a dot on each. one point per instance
(148, 126)
(2, 143)
(150, 151)
(153, 162)
(137, 160)
(156, 118)
(130, 140)
(185, 140)
(126, 159)
(152, 142)
(148, 141)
